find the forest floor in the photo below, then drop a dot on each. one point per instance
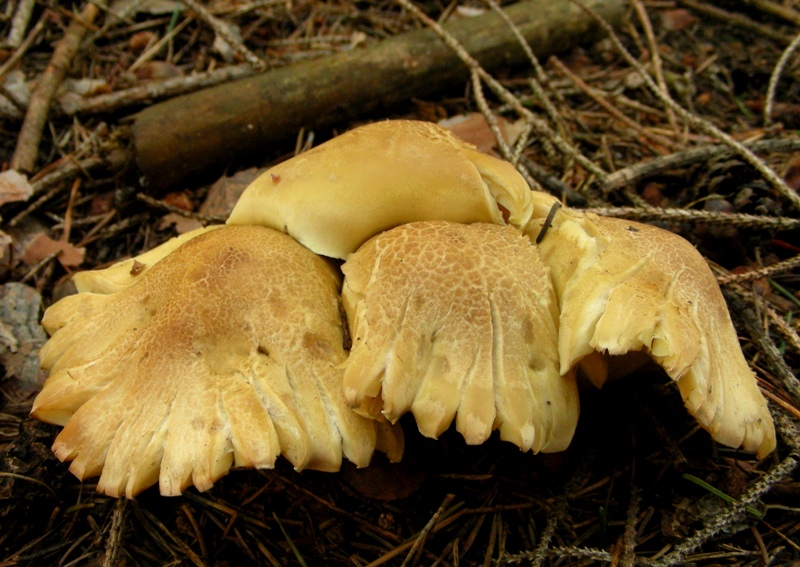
(641, 483)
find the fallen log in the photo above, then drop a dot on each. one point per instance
(191, 138)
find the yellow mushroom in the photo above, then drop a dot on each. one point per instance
(224, 347)
(224, 353)
(335, 197)
(458, 321)
(625, 287)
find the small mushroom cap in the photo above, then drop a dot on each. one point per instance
(224, 353)
(334, 197)
(624, 286)
(127, 272)
(458, 321)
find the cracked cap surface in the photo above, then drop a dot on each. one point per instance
(452, 321)
(223, 354)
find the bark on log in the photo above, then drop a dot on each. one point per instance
(179, 141)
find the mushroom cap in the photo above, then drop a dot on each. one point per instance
(334, 197)
(225, 352)
(458, 321)
(624, 286)
(127, 272)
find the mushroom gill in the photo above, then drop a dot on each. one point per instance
(224, 353)
(453, 321)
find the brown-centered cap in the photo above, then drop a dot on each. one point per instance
(334, 197)
(624, 286)
(453, 321)
(127, 272)
(225, 353)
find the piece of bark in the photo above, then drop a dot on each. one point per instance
(191, 138)
(21, 336)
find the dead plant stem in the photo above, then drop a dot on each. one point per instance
(27, 150)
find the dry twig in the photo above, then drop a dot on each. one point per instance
(155, 90)
(737, 20)
(661, 164)
(767, 272)
(740, 220)
(27, 151)
(19, 23)
(539, 126)
(223, 32)
(693, 120)
(776, 76)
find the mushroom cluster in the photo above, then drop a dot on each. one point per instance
(468, 299)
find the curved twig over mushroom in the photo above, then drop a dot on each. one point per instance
(452, 320)
(225, 352)
(335, 197)
(624, 286)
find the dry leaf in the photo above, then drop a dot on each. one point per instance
(676, 20)
(180, 200)
(182, 224)
(473, 128)
(383, 480)
(226, 191)
(157, 71)
(140, 40)
(14, 187)
(41, 246)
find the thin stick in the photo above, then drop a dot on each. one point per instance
(776, 76)
(537, 84)
(221, 29)
(692, 215)
(641, 12)
(155, 90)
(773, 270)
(735, 20)
(114, 542)
(681, 159)
(158, 46)
(722, 521)
(19, 23)
(539, 125)
(629, 537)
(775, 9)
(785, 329)
(611, 109)
(494, 126)
(12, 61)
(781, 371)
(27, 150)
(427, 529)
(73, 195)
(781, 402)
(177, 210)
